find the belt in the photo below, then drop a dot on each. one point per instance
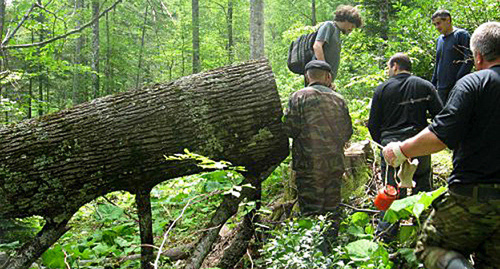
(404, 133)
(479, 192)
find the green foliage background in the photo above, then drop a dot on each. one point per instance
(107, 227)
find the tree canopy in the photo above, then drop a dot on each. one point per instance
(49, 58)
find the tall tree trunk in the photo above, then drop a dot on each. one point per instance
(384, 18)
(51, 166)
(230, 41)
(196, 35)
(384, 28)
(256, 29)
(107, 69)
(183, 57)
(30, 96)
(2, 22)
(78, 57)
(95, 49)
(30, 87)
(313, 12)
(139, 64)
(40, 19)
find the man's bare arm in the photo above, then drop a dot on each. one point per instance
(318, 50)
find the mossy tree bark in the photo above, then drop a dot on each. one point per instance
(51, 166)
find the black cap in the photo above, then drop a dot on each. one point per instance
(318, 64)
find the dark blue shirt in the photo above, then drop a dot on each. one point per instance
(453, 59)
(469, 124)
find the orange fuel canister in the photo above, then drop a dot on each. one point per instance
(385, 197)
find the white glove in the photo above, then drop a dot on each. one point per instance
(406, 173)
(393, 155)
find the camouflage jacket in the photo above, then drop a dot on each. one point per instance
(318, 120)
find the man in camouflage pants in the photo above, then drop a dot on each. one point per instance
(317, 118)
(466, 218)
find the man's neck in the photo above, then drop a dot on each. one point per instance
(492, 63)
(316, 82)
(450, 30)
(402, 72)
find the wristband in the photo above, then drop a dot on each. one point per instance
(397, 151)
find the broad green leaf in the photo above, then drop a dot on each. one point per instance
(411, 206)
(110, 212)
(101, 249)
(357, 231)
(360, 219)
(54, 257)
(408, 254)
(406, 233)
(361, 250)
(305, 223)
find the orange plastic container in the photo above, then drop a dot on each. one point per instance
(385, 197)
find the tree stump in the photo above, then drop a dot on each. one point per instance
(358, 160)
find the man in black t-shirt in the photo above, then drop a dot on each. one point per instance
(399, 110)
(466, 218)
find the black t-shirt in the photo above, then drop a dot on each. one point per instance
(470, 125)
(402, 102)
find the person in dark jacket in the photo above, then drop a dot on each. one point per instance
(453, 57)
(466, 218)
(399, 110)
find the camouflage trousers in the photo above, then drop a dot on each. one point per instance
(319, 188)
(464, 225)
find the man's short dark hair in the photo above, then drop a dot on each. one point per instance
(402, 60)
(349, 14)
(315, 74)
(441, 13)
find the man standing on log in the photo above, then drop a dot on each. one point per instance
(328, 45)
(453, 57)
(398, 111)
(317, 118)
(466, 218)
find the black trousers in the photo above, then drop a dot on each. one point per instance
(444, 93)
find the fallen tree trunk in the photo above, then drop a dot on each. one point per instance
(53, 165)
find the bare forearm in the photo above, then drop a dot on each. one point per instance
(318, 50)
(424, 143)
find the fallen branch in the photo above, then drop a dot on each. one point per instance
(360, 209)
